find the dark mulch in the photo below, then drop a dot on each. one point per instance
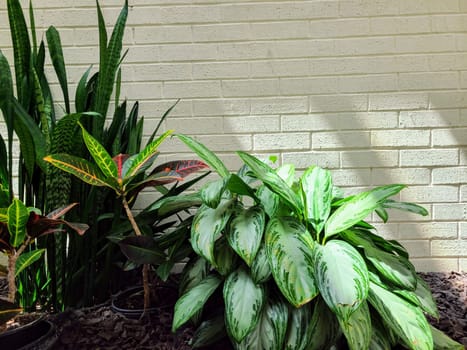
(100, 328)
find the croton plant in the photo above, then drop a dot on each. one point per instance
(286, 262)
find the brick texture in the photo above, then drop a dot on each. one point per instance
(375, 90)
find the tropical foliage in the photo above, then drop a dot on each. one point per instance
(292, 264)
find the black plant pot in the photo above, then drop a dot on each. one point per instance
(129, 302)
(37, 335)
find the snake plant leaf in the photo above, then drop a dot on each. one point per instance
(270, 332)
(357, 329)
(260, 269)
(290, 253)
(56, 56)
(144, 158)
(175, 204)
(298, 333)
(443, 342)
(244, 302)
(81, 93)
(18, 215)
(205, 154)
(316, 186)
(245, 232)
(81, 168)
(406, 320)
(207, 226)
(421, 297)
(358, 208)
(27, 258)
(100, 155)
(410, 207)
(212, 192)
(342, 277)
(193, 300)
(271, 179)
(324, 328)
(209, 332)
(142, 250)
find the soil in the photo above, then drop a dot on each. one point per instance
(100, 328)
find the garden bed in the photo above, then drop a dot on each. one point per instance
(99, 327)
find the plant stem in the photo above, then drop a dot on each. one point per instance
(129, 214)
(11, 277)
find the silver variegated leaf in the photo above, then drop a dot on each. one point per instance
(207, 226)
(269, 200)
(443, 342)
(316, 186)
(324, 327)
(358, 208)
(260, 269)
(406, 320)
(209, 332)
(287, 173)
(193, 300)
(290, 253)
(211, 193)
(357, 328)
(225, 257)
(245, 232)
(299, 332)
(342, 277)
(421, 297)
(244, 302)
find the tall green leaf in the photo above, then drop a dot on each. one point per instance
(342, 277)
(316, 185)
(290, 253)
(245, 232)
(271, 179)
(244, 302)
(205, 154)
(18, 215)
(193, 300)
(406, 320)
(358, 208)
(443, 342)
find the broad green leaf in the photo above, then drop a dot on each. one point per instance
(406, 320)
(18, 215)
(342, 277)
(193, 300)
(244, 302)
(225, 257)
(100, 155)
(422, 297)
(26, 259)
(143, 159)
(299, 333)
(324, 328)
(56, 56)
(212, 192)
(205, 154)
(193, 273)
(269, 333)
(358, 208)
(209, 332)
(357, 329)
(260, 269)
(443, 342)
(316, 185)
(271, 179)
(290, 253)
(142, 250)
(235, 184)
(81, 168)
(207, 226)
(175, 204)
(245, 232)
(410, 207)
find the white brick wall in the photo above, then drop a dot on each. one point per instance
(374, 89)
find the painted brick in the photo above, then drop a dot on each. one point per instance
(429, 157)
(221, 70)
(340, 121)
(451, 248)
(221, 107)
(428, 6)
(188, 52)
(221, 32)
(387, 230)
(462, 265)
(428, 81)
(449, 23)
(463, 156)
(417, 249)
(365, 46)
(279, 105)
(425, 43)
(369, 159)
(280, 30)
(251, 124)
(337, 140)
(191, 89)
(162, 72)
(410, 176)
(398, 101)
(339, 103)
(280, 68)
(351, 177)
(368, 83)
(450, 137)
(463, 230)
(451, 175)
(196, 126)
(463, 190)
(400, 25)
(436, 264)
(448, 100)
(285, 141)
(449, 212)
(354, 8)
(428, 230)
(163, 34)
(432, 119)
(400, 138)
(303, 160)
(447, 61)
(307, 86)
(430, 194)
(245, 88)
(343, 27)
(302, 48)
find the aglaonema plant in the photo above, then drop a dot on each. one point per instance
(295, 265)
(127, 176)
